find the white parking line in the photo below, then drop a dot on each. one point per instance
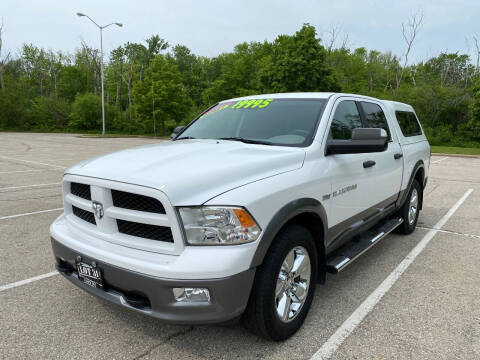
(437, 161)
(32, 162)
(27, 281)
(27, 186)
(344, 331)
(31, 213)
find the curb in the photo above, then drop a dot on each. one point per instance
(121, 137)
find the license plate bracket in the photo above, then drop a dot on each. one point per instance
(89, 274)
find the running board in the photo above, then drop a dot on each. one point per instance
(353, 250)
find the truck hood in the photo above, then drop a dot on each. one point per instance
(191, 172)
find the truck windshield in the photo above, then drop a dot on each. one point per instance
(285, 122)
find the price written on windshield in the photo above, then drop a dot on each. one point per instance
(243, 104)
(252, 104)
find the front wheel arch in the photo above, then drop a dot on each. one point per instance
(306, 212)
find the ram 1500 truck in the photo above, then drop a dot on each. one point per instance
(245, 210)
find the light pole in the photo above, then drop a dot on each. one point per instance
(101, 63)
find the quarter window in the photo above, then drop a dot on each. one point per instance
(345, 119)
(375, 117)
(408, 123)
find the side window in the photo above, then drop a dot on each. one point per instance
(345, 119)
(375, 117)
(408, 123)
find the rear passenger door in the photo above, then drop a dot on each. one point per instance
(388, 169)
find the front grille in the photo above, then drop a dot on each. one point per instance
(84, 215)
(140, 213)
(80, 190)
(153, 232)
(137, 202)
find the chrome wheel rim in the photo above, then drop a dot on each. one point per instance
(293, 282)
(413, 208)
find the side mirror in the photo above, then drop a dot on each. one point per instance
(364, 140)
(176, 131)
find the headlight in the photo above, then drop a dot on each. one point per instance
(212, 225)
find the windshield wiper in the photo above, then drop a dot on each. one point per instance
(247, 141)
(185, 138)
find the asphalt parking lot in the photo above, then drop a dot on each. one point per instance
(415, 296)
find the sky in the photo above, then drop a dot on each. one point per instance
(210, 27)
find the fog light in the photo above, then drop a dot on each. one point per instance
(191, 294)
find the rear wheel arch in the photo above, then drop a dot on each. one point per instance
(420, 177)
(418, 174)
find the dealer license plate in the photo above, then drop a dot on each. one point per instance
(90, 275)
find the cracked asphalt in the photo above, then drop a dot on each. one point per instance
(431, 312)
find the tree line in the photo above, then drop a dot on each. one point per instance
(152, 87)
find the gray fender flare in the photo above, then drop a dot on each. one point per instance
(403, 195)
(282, 216)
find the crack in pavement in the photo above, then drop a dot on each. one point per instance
(449, 232)
(168, 338)
(434, 188)
(27, 147)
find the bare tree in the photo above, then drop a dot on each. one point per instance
(409, 33)
(345, 41)
(414, 75)
(3, 61)
(332, 37)
(92, 60)
(477, 54)
(444, 71)
(55, 65)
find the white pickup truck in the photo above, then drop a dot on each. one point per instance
(245, 210)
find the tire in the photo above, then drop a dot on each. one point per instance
(406, 213)
(261, 315)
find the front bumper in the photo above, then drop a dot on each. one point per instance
(153, 296)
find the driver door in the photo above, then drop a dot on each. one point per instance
(353, 186)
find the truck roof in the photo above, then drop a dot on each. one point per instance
(395, 105)
(295, 95)
(317, 95)
(392, 105)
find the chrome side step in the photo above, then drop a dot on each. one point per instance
(353, 250)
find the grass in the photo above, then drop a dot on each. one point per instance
(455, 150)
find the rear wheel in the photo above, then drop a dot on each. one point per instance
(410, 210)
(284, 285)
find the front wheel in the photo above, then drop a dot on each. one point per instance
(284, 285)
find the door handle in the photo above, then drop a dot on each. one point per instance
(369, 163)
(398, 156)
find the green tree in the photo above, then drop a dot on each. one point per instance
(71, 81)
(297, 63)
(150, 80)
(13, 107)
(86, 112)
(160, 96)
(48, 113)
(192, 71)
(473, 125)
